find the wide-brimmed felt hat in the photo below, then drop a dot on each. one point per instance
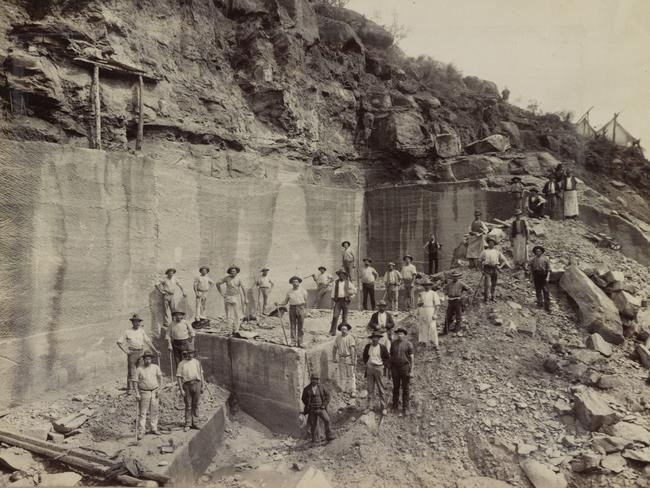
(540, 248)
(368, 260)
(178, 312)
(148, 354)
(391, 264)
(282, 309)
(533, 189)
(322, 267)
(314, 376)
(375, 333)
(265, 269)
(426, 283)
(236, 268)
(341, 271)
(515, 179)
(168, 270)
(455, 273)
(344, 324)
(295, 278)
(135, 318)
(402, 330)
(407, 256)
(204, 268)
(382, 303)
(491, 239)
(477, 212)
(518, 211)
(346, 242)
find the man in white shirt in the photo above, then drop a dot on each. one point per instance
(491, 261)
(190, 381)
(202, 285)
(392, 282)
(297, 300)
(180, 336)
(368, 277)
(233, 297)
(148, 380)
(323, 285)
(264, 287)
(408, 277)
(375, 357)
(167, 287)
(345, 355)
(132, 342)
(342, 292)
(347, 258)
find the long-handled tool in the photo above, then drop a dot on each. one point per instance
(171, 365)
(281, 314)
(137, 421)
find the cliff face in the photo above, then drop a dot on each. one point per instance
(314, 83)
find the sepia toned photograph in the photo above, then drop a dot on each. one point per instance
(325, 243)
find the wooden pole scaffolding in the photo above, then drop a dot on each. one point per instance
(98, 109)
(138, 142)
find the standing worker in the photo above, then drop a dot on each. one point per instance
(491, 261)
(570, 195)
(368, 277)
(233, 296)
(392, 282)
(297, 300)
(264, 287)
(382, 319)
(347, 258)
(402, 362)
(167, 287)
(149, 379)
(202, 285)
(323, 285)
(517, 191)
(132, 342)
(551, 193)
(519, 238)
(180, 336)
(342, 292)
(428, 303)
(345, 356)
(476, 239)
(540, 270)
(316, 398)
(190, 382)
(376, 357)
(432, 247)
(408, 278)
(454, 291)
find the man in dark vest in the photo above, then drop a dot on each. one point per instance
(342, 292)
(432, 247)
(315, 397)
(402, 360)
(540, 270)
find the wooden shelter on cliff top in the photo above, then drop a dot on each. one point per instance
(613, 131)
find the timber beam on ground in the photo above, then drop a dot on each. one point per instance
(91, 464)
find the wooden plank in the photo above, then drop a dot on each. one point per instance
(140, 136)
(98, 113)
(129, 71)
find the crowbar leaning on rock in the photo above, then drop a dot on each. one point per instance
(281, 311)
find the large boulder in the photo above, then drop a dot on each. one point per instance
(483, 87)
(629, 431)
(302, 15)
(448, 145)
(372, 34)
(427, 101)
(542, 475)
(512, 131)
(626, 303)
(596, 342)
(475, 167)
(338, 34)
(35, 75)
(491, 144)
(400, 131)
(598, 312)
(591, 410)
(644, 355)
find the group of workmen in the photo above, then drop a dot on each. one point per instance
(387, 354)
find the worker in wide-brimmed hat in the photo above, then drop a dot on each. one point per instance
(535, 204)
(233, 297)
(132, 342)
(344, 354)
(297, 300)
(408, 278)
(202, 285)
(402, 364)
(392, 282)
(264, 286)
(569, 186)
(382, 319)
(342, 292)
(491, 261)
(432, 247)
(148, 380)
(316, 397)
(519, 240)
(375, 357)
(551, 191)
(517, 191)
(476, 239)
(180, 336)
(368, 276)
(347, 258)
(454, 291)
(540, 272)
(167, 287)
(428, 303)
(190, 382)
(323, 286)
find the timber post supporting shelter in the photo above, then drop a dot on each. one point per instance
(138, 141)
(98, 109)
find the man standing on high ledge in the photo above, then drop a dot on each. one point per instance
(347, 258)
(167, 286)
(342, 292)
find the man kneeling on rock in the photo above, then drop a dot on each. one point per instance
(315, 397)
(148, 380)
(190, 381)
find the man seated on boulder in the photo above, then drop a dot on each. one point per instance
(536, 204)
(316, 398)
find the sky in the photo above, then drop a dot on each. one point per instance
(564, 54)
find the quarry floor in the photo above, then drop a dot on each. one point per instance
(473, 404)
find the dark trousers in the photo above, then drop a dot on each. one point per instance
(296, 320)
(433, 260)
(312, 418)
(178, 346)
(489, 281)
(368, 293)
(541, 289)
(537, 212)
(341, 306)
(454, 311)
(401, 379)
(192, 397)
(131, 365)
